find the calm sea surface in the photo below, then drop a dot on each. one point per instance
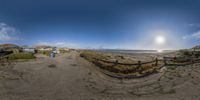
(135, 51)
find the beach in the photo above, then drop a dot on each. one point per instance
(70, 77)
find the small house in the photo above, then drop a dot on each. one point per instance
(27, 49)
(44, 48)
(63, 50)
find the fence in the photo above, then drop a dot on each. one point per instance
(132, 68)
(128, 64)
(180, 61)
(140, 66)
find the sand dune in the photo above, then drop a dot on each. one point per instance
(69, 77)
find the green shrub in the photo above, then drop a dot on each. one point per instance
(47, 53)
(185, 53)
(21, 56)
(64, 51)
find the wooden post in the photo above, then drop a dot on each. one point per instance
(156, 61)
(139, 64)
(192, 61)
(96, 59)
(165, 63)
(7, 58)
(116, 62)
(175, 58)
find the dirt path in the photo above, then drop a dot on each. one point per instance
(73, 78)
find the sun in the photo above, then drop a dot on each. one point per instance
(160, 40)
(159, 51)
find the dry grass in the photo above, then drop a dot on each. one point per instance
(118, 68)
(89, 55)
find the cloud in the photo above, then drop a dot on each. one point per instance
(193, 25)
(7, 33)
(195, 35)
(58, 44)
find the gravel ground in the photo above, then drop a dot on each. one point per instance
(69, 77)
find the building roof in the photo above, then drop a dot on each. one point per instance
(43, 46)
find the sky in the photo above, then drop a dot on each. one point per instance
(101, 24)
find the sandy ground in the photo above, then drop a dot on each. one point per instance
(73, 78)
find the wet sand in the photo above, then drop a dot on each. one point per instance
(74, 78)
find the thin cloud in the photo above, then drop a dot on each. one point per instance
(58, 44)
(193, 25)
(195, 35)
(7, 33)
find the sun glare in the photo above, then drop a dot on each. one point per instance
(159, 51)
(160, 40)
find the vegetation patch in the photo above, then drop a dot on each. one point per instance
(184, 57)
(63, 51)
(90, 55)
(52, 66)
(20, 56)
(46, 53)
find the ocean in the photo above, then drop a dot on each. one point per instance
(134, 51)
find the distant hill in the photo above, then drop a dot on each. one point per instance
(8, 46)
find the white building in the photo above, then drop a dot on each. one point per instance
(44, 48)
(26, 49)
